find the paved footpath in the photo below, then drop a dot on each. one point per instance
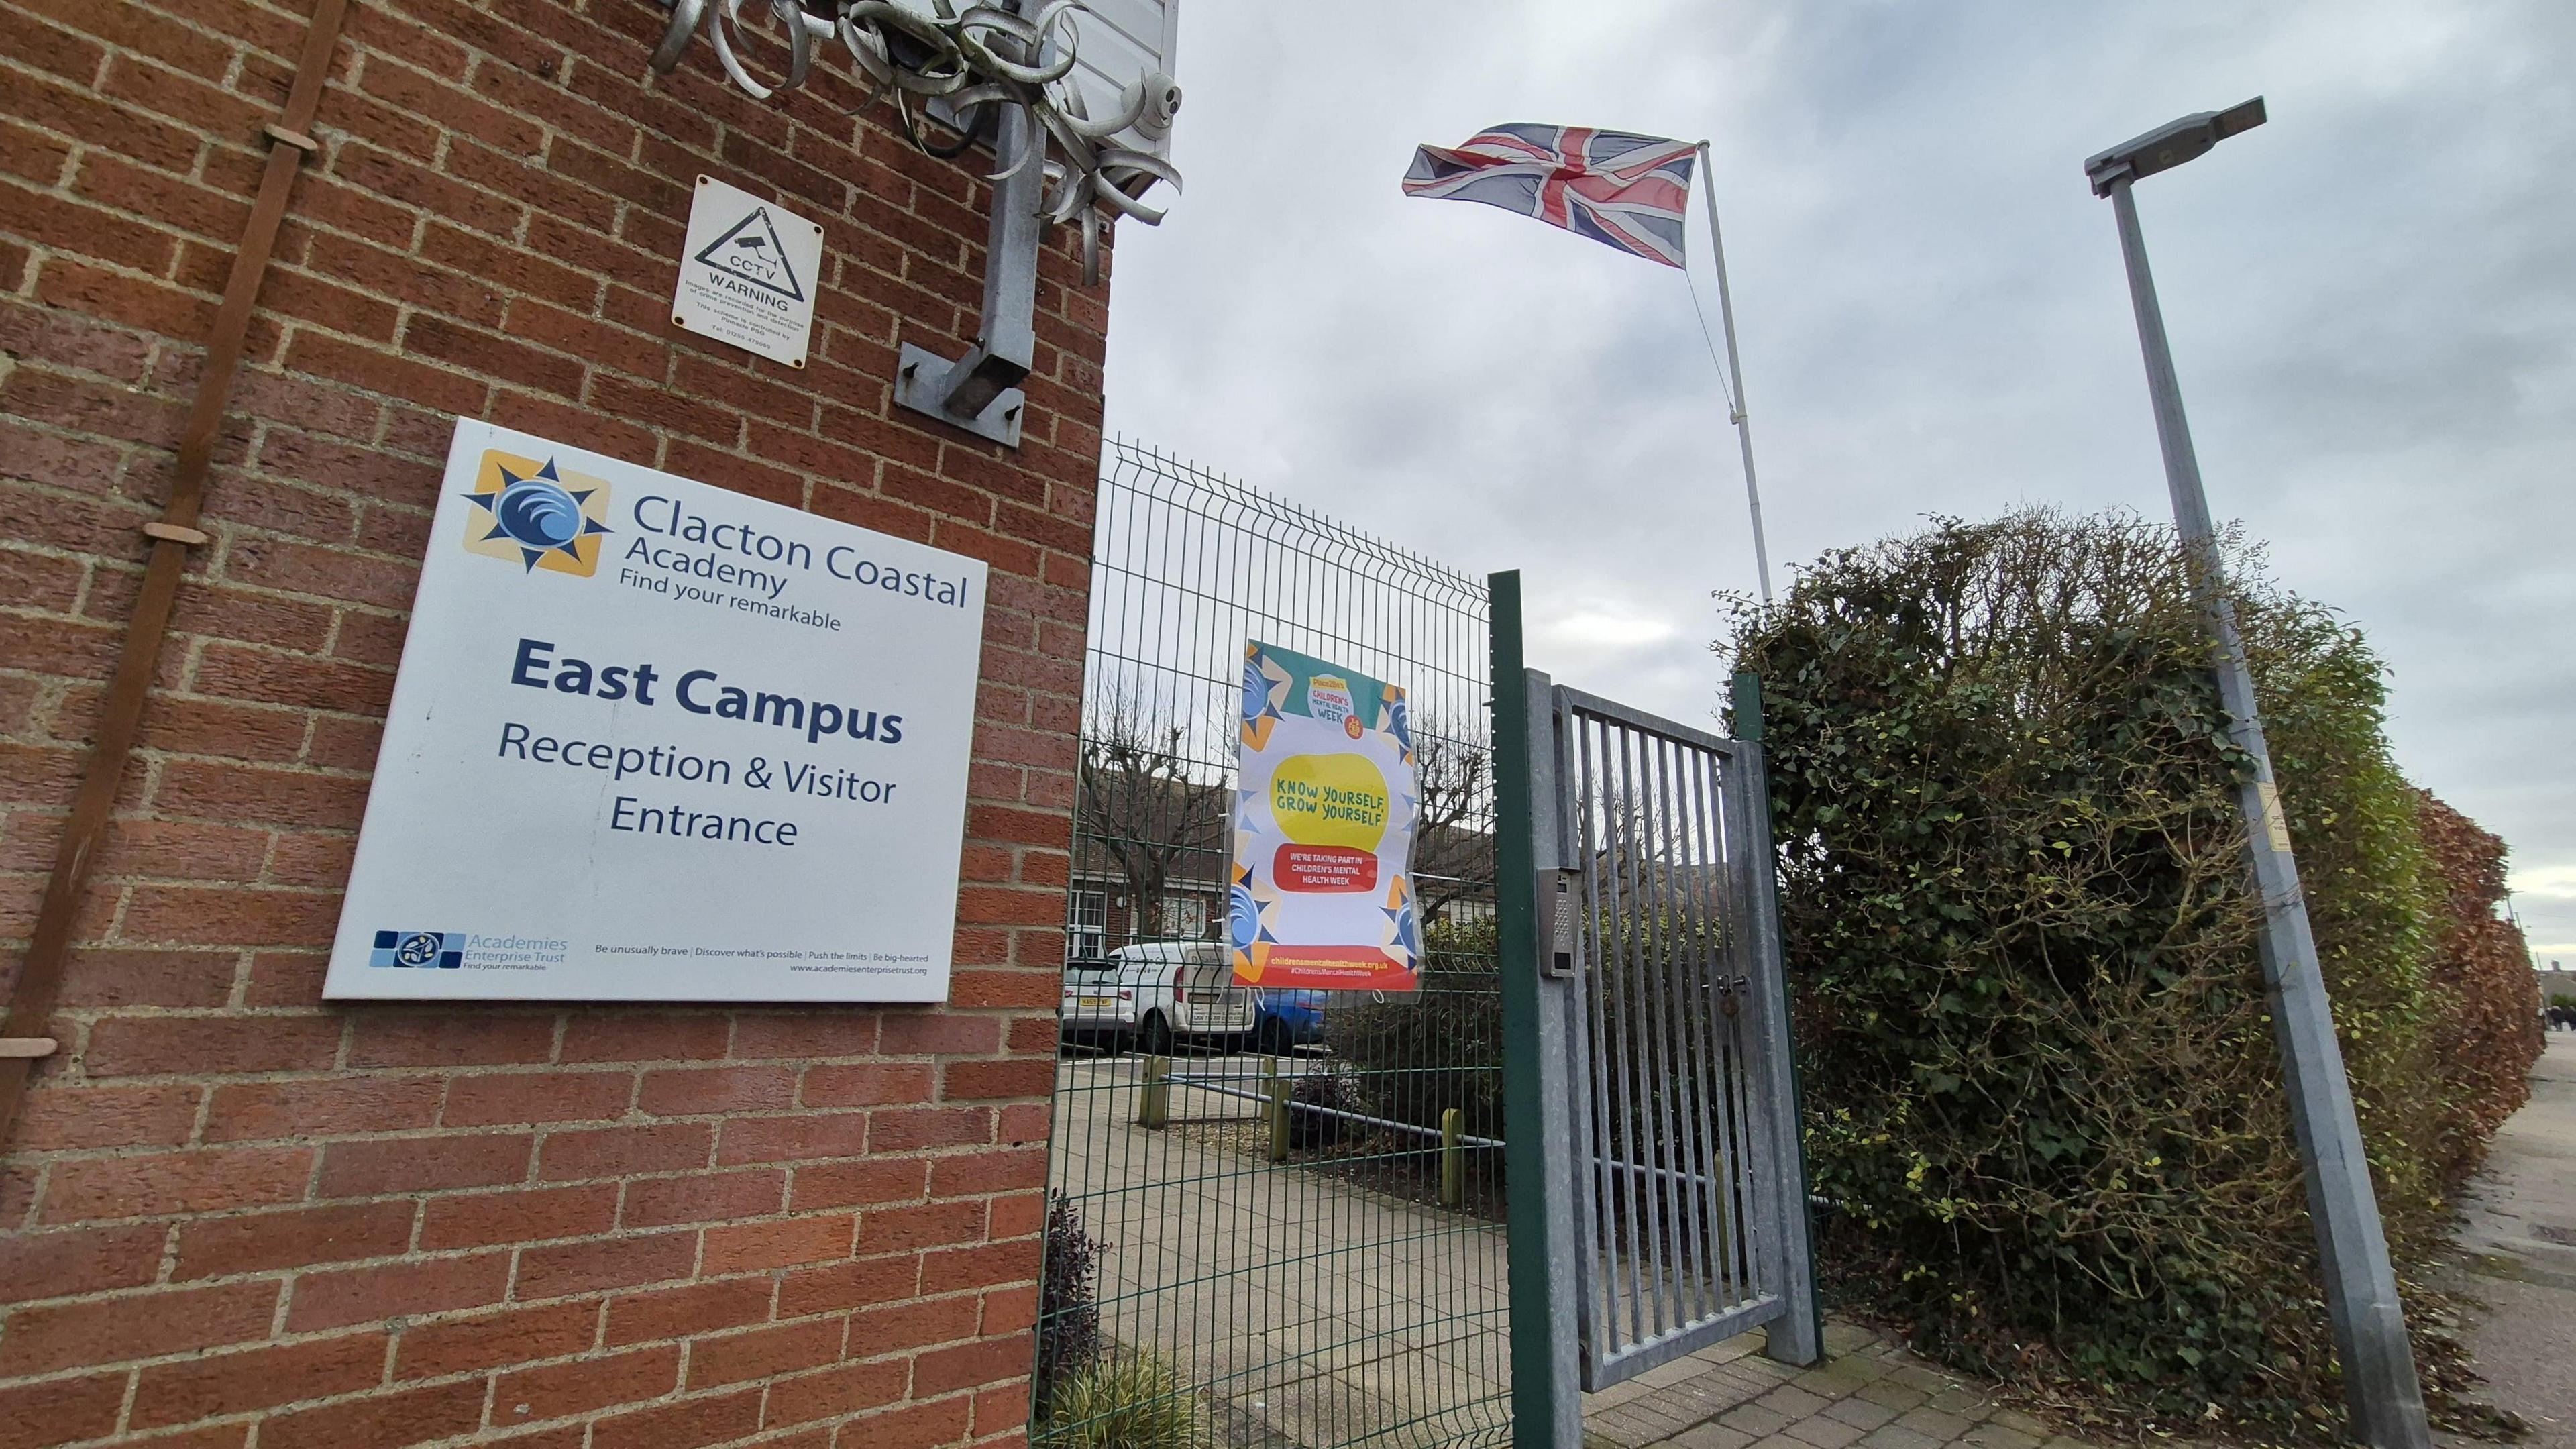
(2519, 1227)
(1867, 1393)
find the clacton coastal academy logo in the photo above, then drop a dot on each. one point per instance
(432, 950)
(536, 516)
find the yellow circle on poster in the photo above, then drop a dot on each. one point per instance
(1330, 800)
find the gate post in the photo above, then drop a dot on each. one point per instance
(1547, 1394)
(1797, 1337)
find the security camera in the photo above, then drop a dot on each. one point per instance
(1162, 103)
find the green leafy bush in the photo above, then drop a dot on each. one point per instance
(2484, 1035)
(1123, 1400)
(2040, 1072)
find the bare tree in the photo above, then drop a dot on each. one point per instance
(1151, 811)
(1453, 837)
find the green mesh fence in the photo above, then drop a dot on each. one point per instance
(1281, 1218)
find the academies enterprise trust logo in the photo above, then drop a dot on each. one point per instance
(427, 950)
(536, 515)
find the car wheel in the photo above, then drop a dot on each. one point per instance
(1154, 1039)
(1271, 1039)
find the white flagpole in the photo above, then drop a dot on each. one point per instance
(1735, 376)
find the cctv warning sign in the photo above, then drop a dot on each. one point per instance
(748, 272)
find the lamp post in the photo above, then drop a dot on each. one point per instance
(2381, 1390)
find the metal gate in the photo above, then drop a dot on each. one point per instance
(1293, 1239)
(1658, 1017)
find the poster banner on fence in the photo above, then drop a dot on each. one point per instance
(1323, 829)
(655, 741)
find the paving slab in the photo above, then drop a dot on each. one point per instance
(2518, 1227)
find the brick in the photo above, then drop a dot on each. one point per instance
(1015, 1215)
(277, 797)
(868, 1084)
(58, 1118)
(269, 676)
(618, 1151)
(206, 1180)
(181, 849)
(258, 1378)
(484, 1341)
(331, 358)
(834, 1392)
(780, 1243)
(821, 1032)
(761, 1353)
(720, 1418)
(968, 1365)
(231, 916)
(853, 1184)
(848, 1285)
(1001, 1409)
(219, 1247)
(85, 230)
(509, 1097)
(621, 1037)
(897, 1327)
(340, 1105)
(973, 1080)
(786, 1139)
(984, 1265)
(888, 1229)
(510, 268)
(1010, 1310)
(984, 1172)
(44, 1339)
(907, 1032)
(450, 1039)
(605, 1263)
(1024, 989)
(681, 1312)
(535, 1394)
(1026, 1123)
(703, 1197)
(492, 354)
(415, 1286)
(62, 1263)
(914, 1128)
(423, 1164)
(533, 1215)
(917, 1426)
(380, 1421)
(709, 1090)
(60, 1411)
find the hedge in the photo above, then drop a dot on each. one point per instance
(2040, 1073)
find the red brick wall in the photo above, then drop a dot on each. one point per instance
(232, 1211)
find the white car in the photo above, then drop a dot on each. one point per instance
(1158, 996)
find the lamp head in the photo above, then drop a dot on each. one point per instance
(2170, 145)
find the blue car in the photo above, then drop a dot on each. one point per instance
(1286, 1019)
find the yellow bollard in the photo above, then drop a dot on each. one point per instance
(1277, 1088)
(1154, 1105)
(1453, 1159)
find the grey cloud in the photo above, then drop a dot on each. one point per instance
(2370, 299)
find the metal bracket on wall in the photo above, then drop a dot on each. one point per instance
(978, 392)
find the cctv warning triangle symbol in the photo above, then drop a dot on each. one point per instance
(750, 249)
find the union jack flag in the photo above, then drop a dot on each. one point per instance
(1627, 191)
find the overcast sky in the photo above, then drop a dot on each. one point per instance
(2371, 301)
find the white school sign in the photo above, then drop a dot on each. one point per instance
(652, 740)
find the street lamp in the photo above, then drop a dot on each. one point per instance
(2381, 1390)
